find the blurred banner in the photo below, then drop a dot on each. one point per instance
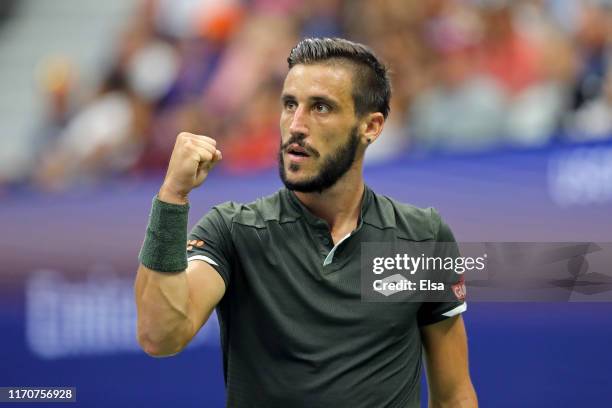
(67, 315)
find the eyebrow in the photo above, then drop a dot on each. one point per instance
(312, 99)
(287, 98)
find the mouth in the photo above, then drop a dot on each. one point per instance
(297, 152)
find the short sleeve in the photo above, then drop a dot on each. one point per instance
(433, 312)
(210, 240)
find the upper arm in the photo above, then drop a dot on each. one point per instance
(206, 288)
(446, 356)
(210, 242)
(210, 252)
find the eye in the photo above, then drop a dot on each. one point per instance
(290, 105)
(322, 108)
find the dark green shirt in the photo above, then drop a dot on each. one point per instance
(294, 330)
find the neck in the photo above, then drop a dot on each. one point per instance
(340, 204)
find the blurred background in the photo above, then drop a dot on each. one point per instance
(501, 118)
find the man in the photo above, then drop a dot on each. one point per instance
(283, 272)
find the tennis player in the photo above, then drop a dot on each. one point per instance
(283, 272)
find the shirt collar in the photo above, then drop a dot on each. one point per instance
(300, 209)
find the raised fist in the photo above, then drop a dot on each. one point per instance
(192, 159)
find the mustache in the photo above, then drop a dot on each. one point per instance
(299, 140)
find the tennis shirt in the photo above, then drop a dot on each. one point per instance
(294, 330)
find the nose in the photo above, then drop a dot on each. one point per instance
(299, 121)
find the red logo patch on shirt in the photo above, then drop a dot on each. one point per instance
(194, 242)
(459, 289)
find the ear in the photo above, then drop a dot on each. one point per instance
(371, 127)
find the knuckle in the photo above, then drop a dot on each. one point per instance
(207, 139)
(187, 144)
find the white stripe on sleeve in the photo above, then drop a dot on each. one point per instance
(459, 309)
(202, 258)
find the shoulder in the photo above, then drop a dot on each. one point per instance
(410, 222)
(255, 214)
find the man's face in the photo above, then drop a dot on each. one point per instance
(319, 131)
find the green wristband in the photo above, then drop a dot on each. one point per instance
(165, 241)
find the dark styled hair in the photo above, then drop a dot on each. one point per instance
(372, 87)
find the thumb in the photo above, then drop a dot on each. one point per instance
(217, 157)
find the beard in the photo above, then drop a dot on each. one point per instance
(334, 166)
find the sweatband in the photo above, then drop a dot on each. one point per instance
(164, 246)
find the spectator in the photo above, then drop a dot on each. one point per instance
(463, 108)
(535, 111)
(593, 121)
(593, 40)
(99, 140)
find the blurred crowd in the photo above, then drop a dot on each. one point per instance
(468, 75)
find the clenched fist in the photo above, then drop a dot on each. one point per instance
(192, 159)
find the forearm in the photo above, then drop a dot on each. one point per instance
(172, 307)
(446, 357)
(460, 398)
(161, 287)
(163, 307)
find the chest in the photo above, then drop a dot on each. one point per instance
(287, 279)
